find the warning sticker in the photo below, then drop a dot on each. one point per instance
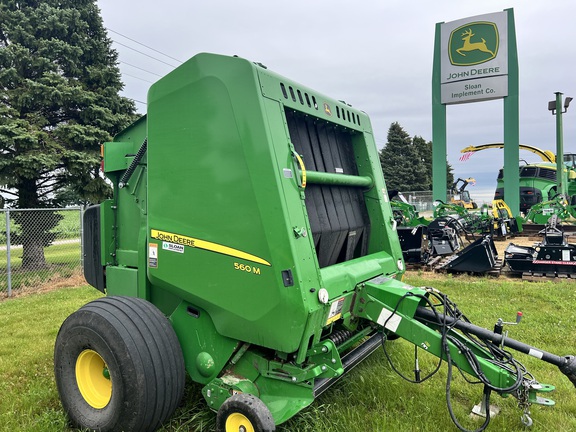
(389, 320)
(152, 255)
(173, 247)
(335, 310)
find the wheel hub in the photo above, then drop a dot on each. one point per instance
(93, 379)
(237, 422)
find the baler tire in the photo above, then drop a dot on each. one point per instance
(133, 345)
(244, 410)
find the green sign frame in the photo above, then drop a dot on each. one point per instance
(470, 65)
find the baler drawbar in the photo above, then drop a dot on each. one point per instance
(250, 244)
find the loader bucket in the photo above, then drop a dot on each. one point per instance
(478, 257)
(413, 241)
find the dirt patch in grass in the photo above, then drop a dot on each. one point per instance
(55, 282)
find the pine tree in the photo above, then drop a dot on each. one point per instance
(402, 165)
(59, 85)
(425, 151)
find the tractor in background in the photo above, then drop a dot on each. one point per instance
(537, 181)
(460, 196)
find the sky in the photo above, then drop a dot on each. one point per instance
(375, 54)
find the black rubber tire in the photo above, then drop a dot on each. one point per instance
(143, 357)
(250, 407)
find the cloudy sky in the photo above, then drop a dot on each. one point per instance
(375, 55)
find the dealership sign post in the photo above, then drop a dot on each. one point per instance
(475, 59)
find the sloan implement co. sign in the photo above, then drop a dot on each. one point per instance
(474, 64)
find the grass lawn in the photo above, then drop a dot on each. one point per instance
(371, 398)
(28, 328)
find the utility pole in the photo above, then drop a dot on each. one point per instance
(558, 109)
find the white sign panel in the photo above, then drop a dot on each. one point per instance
(476, 90)
(474, 50)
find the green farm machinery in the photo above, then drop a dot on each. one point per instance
(250, 244)
(456, 240)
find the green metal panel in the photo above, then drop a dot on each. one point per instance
(122, 281)
(439, 152)
(211, 175)
(512, 122)
(206, 352)
(107, 234)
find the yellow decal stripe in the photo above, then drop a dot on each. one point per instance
(205, 245)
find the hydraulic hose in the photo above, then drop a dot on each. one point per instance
(566, 364)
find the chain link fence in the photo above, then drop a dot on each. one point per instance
(422, 200)
(39, 246)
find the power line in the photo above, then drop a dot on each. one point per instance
(141, 79)
(140, 52)
(142, 69)
(149, 47)
(143, 53)
(136, 100)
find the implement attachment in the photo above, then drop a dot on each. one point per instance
(429, 320)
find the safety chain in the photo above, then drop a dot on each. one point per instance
(524, 402)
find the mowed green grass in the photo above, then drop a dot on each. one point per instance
(371, 398)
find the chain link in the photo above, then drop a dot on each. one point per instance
(38, 246)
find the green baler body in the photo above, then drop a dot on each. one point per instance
(254, 194)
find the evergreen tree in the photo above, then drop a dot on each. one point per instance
(425, 151)
(59, 85)
(401, 162)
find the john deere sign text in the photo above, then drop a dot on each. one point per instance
(474, 59)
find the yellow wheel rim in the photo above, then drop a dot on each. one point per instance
(93, 379)
(237, 422)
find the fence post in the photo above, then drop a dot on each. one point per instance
(8, 267)
(82, 237)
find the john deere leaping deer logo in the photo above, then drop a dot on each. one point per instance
(473, 43)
